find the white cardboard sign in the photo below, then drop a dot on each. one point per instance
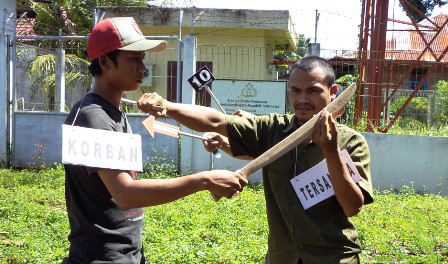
(314, 185)
(101, 148)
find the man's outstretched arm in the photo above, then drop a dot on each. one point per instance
(195, 117)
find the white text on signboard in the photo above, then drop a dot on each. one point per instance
(314, 185)
(256, 97)
(101, 148)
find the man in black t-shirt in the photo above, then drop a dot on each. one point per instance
(105, 206)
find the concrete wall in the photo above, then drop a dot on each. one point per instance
(396, 160)
(243, 52)
(275, 25)
(32, 128)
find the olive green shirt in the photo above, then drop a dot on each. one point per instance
(322, 233)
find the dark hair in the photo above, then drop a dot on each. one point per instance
(313, 62)
(95, 68)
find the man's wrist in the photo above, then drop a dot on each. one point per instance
(331, 150)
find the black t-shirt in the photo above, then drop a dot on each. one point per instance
(101, 232)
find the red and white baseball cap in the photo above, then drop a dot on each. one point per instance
(120, 33)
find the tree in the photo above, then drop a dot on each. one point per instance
(41, 71)
(424, 6)
(414, 115)
(344, 82)
(283, 55)
(440, 104)
(71, 17)
(75, 17)
(302, 45)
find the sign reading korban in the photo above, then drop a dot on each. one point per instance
(101, 148)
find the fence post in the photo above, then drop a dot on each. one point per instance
(188, 97)
(59, 97)
(7, 51)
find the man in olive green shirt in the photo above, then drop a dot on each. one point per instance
(322, 233)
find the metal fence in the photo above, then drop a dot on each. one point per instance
(36, 75)
(239, 62)
(35, 86)
(400, 78)
(399, 90)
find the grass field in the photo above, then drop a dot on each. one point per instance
(396, 228)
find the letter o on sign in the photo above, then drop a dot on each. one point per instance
(85, 148)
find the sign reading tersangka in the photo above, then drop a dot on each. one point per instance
(314, 185)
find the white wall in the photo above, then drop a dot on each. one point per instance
(44, 128)
(396, 160)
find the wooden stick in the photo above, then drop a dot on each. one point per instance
(214, 98)
(195, 136)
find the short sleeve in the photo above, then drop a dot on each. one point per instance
(95, 117)
(252, 136)
(243, 136)
(359, 152)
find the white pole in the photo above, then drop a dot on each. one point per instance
(60, 81)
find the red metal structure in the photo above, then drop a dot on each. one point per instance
(380, 58)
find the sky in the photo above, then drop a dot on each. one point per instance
(338, 23)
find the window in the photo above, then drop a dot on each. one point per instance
(413, 84)
(202, 97)
(415, 77)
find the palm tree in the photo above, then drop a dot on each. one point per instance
(302, 46)
(42, 73)
(72, 18)
(67, 18)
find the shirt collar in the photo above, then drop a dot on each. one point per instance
(293, 124)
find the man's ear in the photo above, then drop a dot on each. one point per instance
(104, 61)
(333, 91)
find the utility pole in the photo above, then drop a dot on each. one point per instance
(314, 48)
(315, 27)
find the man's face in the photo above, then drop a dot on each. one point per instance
(128, 73)
(309, 93)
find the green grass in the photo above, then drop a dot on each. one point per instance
(396, 228)
(441, 131)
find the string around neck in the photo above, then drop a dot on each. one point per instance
(79, 108)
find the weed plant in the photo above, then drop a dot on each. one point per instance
(401, 226)
(159, 166)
